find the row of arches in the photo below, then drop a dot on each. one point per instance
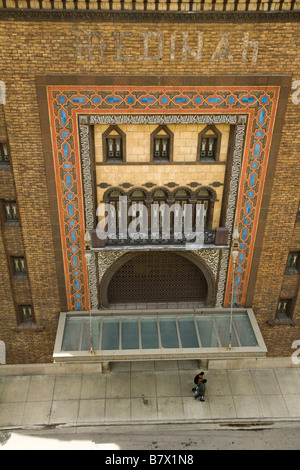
(160, 196)
(161, 192)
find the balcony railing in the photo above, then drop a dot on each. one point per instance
(217, 237)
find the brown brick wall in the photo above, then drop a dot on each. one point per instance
(30, 48)
(281, 236)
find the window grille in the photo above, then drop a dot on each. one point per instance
(19, 266)
(10, 211)
(284, 308)
(162, 146)
(208, 146)
(26, 314)
(114, 147)
(293, 262)
(4, 154)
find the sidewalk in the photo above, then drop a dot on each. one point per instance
(149, 392)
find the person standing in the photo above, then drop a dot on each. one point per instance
(200, 390)
(198, 378)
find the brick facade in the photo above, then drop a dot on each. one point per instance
(83, 50)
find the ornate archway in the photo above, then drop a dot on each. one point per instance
(157, 276)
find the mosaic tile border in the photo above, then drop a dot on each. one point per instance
(241, 120)
(66, 103)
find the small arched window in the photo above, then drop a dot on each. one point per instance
(207, 198)
(161, 146)
(114, 195)
(160, 195)
(209, 142)
(137, 195)
(114, 145)
(137, 214)
(114, 208)
(182, 194)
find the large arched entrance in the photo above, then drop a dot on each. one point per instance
(157, 277)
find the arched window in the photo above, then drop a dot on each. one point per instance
(159, 200)
(161, 145)
(137, 214)
(113, 194)
(209, 141)
(114, 145)
(181, 197)
(137, 195)
(114, 216)
(160, 195)
(206, 197)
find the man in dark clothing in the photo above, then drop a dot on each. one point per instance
(199, 377)
(200, 390)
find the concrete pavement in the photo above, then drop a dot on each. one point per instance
(149, 392)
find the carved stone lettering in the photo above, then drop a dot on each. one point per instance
(151, 46)
(222, 51)
(93, 43)
(296, 94)
(120, 57)
(246, 44)
(186, 49)
(172, 46)
(160, 46)
(2, 92)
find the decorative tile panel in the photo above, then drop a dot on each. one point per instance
(253, 109)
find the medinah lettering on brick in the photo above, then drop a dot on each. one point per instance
(152, 47)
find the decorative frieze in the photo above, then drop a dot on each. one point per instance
(105, 259)
(88, 205)
(222, 277)
(235, 174)
(166, 119)
(231, 205)
(211, 258)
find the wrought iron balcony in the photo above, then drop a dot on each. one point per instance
(216, 237)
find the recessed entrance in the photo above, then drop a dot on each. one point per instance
(158, 277)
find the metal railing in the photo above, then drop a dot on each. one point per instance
(149, 239)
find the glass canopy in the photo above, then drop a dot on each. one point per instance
(153, 333)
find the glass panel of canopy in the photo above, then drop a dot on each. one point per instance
(208, 332)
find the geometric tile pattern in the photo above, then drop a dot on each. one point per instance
(66, 103)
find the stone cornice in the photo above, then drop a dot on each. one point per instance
(124, 16)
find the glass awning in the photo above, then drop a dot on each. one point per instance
(203, 333)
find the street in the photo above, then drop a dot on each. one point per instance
(171, 437)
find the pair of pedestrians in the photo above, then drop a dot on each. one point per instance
(199, 390)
